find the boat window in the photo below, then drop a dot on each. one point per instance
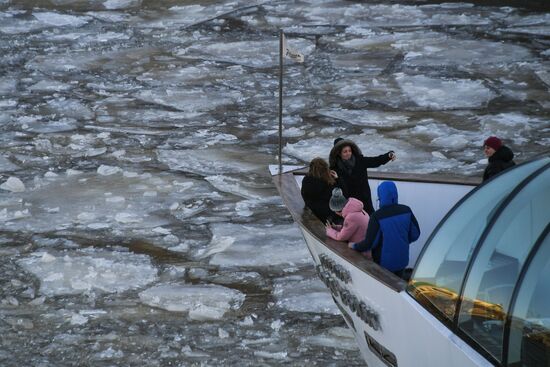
(439, 274)
(529, 343)
(496, 268)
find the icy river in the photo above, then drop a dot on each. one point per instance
(138, 222)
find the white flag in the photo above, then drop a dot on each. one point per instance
(290, 53)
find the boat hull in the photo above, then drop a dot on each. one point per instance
(390, 328)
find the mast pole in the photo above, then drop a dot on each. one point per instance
(281, 35)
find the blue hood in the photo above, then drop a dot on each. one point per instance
(387, 193)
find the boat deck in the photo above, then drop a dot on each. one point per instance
(289, 190)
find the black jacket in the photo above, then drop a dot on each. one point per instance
(502, 159)
(316, 194)
(356, 184)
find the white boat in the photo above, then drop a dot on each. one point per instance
(479, 294)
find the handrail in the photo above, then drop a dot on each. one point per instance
(290, 193)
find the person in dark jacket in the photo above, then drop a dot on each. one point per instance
(391, 230)
(317, 188)
(351, 166)
(500, 157)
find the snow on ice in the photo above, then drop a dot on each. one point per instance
(89, 270)
(256, 245)
(203, 302)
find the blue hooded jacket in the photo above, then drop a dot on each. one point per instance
(391, 230)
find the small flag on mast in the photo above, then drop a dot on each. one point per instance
(291, 53)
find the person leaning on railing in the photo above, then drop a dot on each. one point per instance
(356, 219)
(391, 230)
(317, 188)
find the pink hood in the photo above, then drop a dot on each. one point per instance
(355, 224)
(353, 206)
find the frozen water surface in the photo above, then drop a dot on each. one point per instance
(259, 54)
(89, 270)
(60, 20)
(108, 200)
(203, 302)
(368, 118)
(188, 100)
(121, 4)
(188, 15)
(438, 49)
(211, 161)
(338, 338)
(445, 93)
(304, 295)
(255, 246)
(140, 132)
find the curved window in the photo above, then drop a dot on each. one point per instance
(529, 341)
(439, 274)
(496, 268)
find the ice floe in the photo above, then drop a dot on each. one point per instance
(89, 270)
(60, 20)
(180, 16)
(99, 202)
(515, 127)
(203, 302)
(441, 94)
(121, 4)
(189, 100)
(6, 165)
(255, 246)
(437, 49)
(259, 54)
(249, 189)
(368, 118)
(304, 295)
(336, 337)
(7, 86)
(212, 161)
(13, 184)
(49, 86)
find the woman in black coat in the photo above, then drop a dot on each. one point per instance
(317, 188)
(351, 166)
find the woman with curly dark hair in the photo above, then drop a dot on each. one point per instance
(351, 166)
(317, 188)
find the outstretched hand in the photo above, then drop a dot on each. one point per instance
(392, 155)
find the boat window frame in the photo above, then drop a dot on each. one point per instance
(488, 228)
(525, 269)
(453, 324)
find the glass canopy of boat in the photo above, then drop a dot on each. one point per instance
(485, 270)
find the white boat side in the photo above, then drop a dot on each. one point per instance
(391, 327)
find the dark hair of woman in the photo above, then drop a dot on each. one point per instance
(319, 168)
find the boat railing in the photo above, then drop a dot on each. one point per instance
(287, 184)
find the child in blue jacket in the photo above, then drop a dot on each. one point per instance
(391, 230)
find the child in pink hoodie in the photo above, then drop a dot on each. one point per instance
(356, 219)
